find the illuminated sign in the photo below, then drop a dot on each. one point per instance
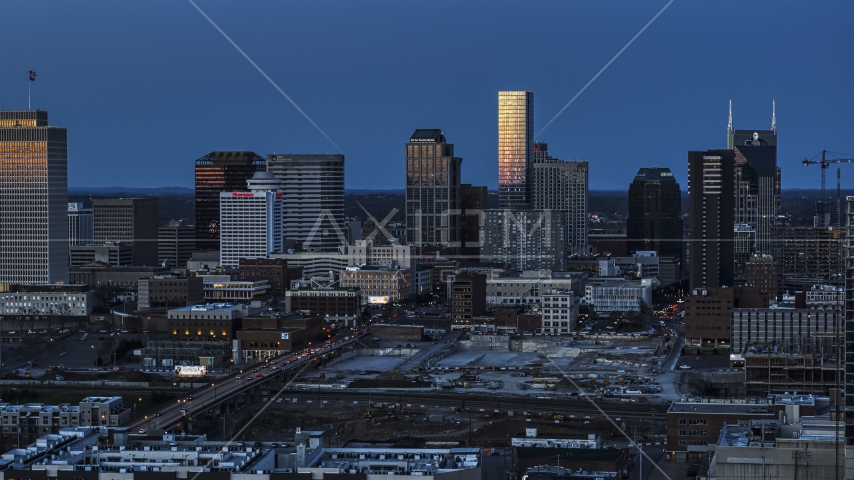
(666, 174)
(191, 370)
(279, 194)
(377, 299)
(242, 194)
(285, 335)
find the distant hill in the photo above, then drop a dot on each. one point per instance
(99, 191)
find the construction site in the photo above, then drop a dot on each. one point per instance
(815, 368)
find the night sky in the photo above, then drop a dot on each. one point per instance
(146, 87)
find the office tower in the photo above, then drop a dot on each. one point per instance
(524, 239)
(313, 202)
(432, 190)
(129, 220)
(711, 211)
(251, 222)
(807, 256)
(515, 146)
(849, 340)
(175, 243)
(561, 185)
(80, 225)
(472, 202)
(757, 179)
(654, 222)
(33, 199)
(219, 172)
(744, 244)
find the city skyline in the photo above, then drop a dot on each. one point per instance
(645, 96)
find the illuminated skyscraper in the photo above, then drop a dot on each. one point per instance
(219, 172)
(432, 190)
(33, 199)
(251, 222)
(515, 146)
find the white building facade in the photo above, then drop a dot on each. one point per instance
(619, 295)
(251, 222)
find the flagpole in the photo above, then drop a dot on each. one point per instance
(29, 96)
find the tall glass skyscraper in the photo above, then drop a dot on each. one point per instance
(33, 199)
(515, 146)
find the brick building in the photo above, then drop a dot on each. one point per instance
(707, 316)
(761, 271)
(274, 270)
(333, 304)
(168, 291)
(468, 298)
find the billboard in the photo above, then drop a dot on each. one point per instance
(285, 335)
(377, 300)
(191, 370)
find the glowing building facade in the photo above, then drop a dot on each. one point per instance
(515, 146)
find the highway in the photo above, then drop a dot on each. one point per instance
(224, 387)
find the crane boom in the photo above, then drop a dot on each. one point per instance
(824, 162)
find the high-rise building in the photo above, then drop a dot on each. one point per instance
(313, 201)
(432, 190)
(525, 239)
(472, 202)
(33, 199)
(251, 222)
(744, 244)
(710, 211)
(515, 146)
(129, 220)
(654, 222)
(757, 179)
(561, 185)
(849, 340)
(807, 256)
(80, 225)
(762, 272)
(175, 243)
(219, 172)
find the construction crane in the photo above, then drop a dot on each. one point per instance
(825, 162)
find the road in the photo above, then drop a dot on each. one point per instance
(225, 386)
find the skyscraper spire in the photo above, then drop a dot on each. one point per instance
(730, 140)
(773, 115)
(729, 126)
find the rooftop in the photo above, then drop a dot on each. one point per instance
(427, 135)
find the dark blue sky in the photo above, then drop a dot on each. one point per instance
(146, 87)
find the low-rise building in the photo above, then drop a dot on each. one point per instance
(694, 425)
(800, 447)
(24, 424)
(619, 295)
(525, 289)
(169, 291)
(314, 264)
(825, 297)
(274, 271)
(379, 285)
(50, 300)
(335, 305)
(175, 243)
(114, 253)
(708, 322)
(259, 344)
(235, 290)
(103, 275)
(214, 322)
(559, 311)
(364, 252)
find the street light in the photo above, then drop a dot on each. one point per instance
(94, 356)
(214, 385)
